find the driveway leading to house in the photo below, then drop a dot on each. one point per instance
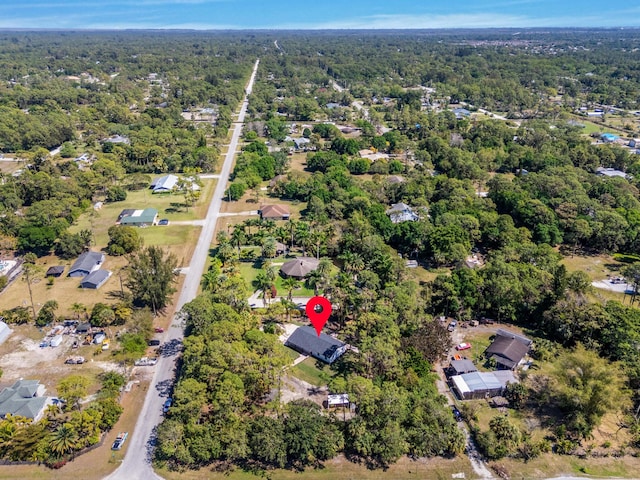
(137, 463)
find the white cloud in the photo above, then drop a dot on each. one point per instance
(462, 20)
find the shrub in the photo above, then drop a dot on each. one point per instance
(116, 194)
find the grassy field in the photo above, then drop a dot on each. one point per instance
(341, 468)
(169, 206)
(479, 342)
(309, 372)
(549, 465)
(8, 165)
(64, 290)
(598, 267)
(249, 272)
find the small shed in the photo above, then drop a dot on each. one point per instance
(5, 331)
(55, 271)
(459, 367)
(281, 248)
(83, 327)
(339, 400)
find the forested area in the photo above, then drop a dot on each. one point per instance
(75, 91)
(522, 192)
(541, 199)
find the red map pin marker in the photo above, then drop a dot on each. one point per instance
(318, 310)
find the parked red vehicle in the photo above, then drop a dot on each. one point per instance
(463, 346)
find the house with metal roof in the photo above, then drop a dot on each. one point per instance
(461, 113)
(117, 139)
(325, 348)
(610, 172)
(86, 263)
(477, 385)
(401, 212)
(24, 398)
(508, 349)
(140, 218)
(5, 331)
(609, 137)
(164, 184)
(167, 183)
(95, 279)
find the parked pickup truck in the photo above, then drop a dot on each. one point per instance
(145, 362)
(74, 360)
(119, 441)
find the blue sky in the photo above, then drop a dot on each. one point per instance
(323, 14)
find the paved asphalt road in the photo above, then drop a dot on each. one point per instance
(137, 461)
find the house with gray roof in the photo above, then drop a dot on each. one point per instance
(508, 349)
(460, 367)
(325, 348)
(95, 279)
(401, 212)
(86, 263)
(24, 398)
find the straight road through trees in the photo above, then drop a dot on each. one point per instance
(137, 461)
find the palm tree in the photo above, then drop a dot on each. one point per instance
(264, 284)
(209, 281)
(269, 247)
(302, 234)
(238, 236)
(290, 284)
(78, 308)
(63, 440)
(288, 306)
(269, 270)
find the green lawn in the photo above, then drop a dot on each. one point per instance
(292, 353)
(479, 343)
(168, 206)
(310, 373)
(249, 273)
(339, 467)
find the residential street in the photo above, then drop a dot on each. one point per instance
(137, 461)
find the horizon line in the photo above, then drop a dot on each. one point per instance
(310, 29)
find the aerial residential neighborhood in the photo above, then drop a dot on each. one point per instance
(174, 206)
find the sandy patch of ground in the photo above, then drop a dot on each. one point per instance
(293, 388)
(613, 287)
(22, 357)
